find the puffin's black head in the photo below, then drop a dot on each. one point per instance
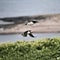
(29, 30)
(34, 21)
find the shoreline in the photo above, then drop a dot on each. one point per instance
(46, 24)
(21, 33)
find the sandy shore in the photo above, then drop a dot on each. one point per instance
(50, 24)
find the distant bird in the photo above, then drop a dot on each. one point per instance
(31, 23)
(28, 32)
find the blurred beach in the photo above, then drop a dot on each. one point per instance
(46, 24)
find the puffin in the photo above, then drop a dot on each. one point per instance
(28, 32)
(31, 23)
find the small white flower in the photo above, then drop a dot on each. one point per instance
(58, 58)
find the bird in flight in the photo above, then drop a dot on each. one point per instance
(31, 23)
(28, 32)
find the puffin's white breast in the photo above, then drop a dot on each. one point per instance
(30, 23)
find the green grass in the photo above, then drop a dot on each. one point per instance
(44, 49)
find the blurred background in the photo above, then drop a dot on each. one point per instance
(15, 12)
(9, 8)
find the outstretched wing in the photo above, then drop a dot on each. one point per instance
(35, 21)
(31, 35)
(25, 33)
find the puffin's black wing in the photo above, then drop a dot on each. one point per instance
(31, 35)
(25, 33)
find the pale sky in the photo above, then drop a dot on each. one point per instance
(11, 8)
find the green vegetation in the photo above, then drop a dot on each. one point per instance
(44, 49)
